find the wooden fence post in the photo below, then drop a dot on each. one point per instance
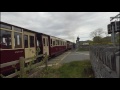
(46, 60)
(22, 66)
(118, 66)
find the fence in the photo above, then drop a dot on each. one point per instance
(23, 68)
(105, 61)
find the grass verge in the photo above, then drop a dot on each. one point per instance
(83, 49)
(76, 69)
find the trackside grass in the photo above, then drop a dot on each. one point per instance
(76, 69)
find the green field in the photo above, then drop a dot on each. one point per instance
(76, 69)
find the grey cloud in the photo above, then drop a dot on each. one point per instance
(66, 25)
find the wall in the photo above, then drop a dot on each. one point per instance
(85, 47)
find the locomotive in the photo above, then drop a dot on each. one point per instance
(16, 42)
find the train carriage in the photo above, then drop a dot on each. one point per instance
(43, 43)
(69, 45)
(16, 42)
(57, 45)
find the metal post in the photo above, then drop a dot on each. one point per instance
(113, 36)
(115, 30)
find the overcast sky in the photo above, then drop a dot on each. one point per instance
(66, 25)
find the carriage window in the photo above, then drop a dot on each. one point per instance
(5, 39)
(18, 40)
(5, 26)
(32, 41)
(37, 43)
(51, 42)
(58, 42)
(47, 41)
(44, 41)
(17, 29)
(26, 41)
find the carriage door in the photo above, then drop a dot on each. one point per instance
(45, 44)
(29, 44)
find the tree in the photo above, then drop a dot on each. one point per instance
(106, 40)
(97, 32)
(97, 39)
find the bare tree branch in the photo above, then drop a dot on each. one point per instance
(97, 32)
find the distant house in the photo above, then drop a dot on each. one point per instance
(84, 43)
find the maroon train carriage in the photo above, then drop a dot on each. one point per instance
(69, 45)
(50, 44)
(16, 42)
(43, 43)
(57, 46)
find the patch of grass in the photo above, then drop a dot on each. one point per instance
(76, 69)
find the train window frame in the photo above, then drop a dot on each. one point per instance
(5, 26)
(47, 42)
(27, 41)
(11, 40)
(57, 43)
(17, 29)
(54, 43)
(19, 41)
(51, 42)
(33, 41)
(60, 42)
(44, 44)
